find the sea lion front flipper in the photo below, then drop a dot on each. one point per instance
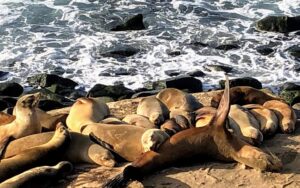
(3, 144)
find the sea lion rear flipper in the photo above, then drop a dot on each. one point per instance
(223, 108)
(3, 144)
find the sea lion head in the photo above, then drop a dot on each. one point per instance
(157, 118)
(29, 101)
(153, 138)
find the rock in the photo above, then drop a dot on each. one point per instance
(264, 50)
(245, 81)
(282, 24)
(174, 53)
(48, 95)
(226, 47)
(187, 83)
(122, 53)
(106, 99)
(196, 73)
(294, 51)
(8, 110)
(58, 71)
(46, 80)
(133, 23)
(173, 72)
(218, 68)
(290, 96)
(3, 75)
(10, 89)
(61, 2)
(47, 105)
(290, 86)
(3, 105)
(144, 93)
(122, 71)
(116, 91)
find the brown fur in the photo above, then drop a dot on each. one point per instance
(204, 116)
(6, 118)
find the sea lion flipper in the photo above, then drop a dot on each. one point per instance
(223, 108)
(3, 144)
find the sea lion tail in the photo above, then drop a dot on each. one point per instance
(224, 107)
(122, 180)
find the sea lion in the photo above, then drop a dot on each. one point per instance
(267, 119)
(153, 138)
(244, 125)
(154, 109)
(285, 114)
(49, 122)
(112, 120)
(26, 122)
(139, 120)
(204, 116)
(6, 118)
(46, 154)
(177, 99)
(190, 116)
(87, 110)
(243, 95)
(213, 141)
(40, 177)
(80, 150)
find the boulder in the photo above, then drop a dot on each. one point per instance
(144, 93)
(245, 81)
(264, 50)
(227, 47)
(196, 73)
(133, 23)
(290, 96)
(282, 24)
(11, 89)
(219, 68)
(116, 91)
(47, 105)
(46, 80)
(294, 51)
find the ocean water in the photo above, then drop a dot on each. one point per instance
(67, 37)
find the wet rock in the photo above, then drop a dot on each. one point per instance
(282, 24)
(58, 71)
(123, 71)
(7, 102)
(67, 92)
(187, 83)
(42, 29)
(10, 89)
(116, 91)
(288, 86)
(3, 75)
(264, 50)
(47, 105)
(144, 93)
(133, 23)
(290, 96)
(173, 72)
(77, 94)
(196, 73)
(121, 53)
(245, 81)
(46, 80)
(61, 2)
(226, 47)
(219, 68)
(294, 51)
(3, 105)
(48, 95)
(174, 53)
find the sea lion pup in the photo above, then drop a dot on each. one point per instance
(244, 95)
(139, 120)
(285, 114)
(204, 116)
(26, 122)
(80, 150)
(213, 141)
(46, 154)
(6, 118)
(177, 99)
(154, 109)
(267, 119)
(244, 125)
(88, 110)
(190, 116)
(41, 176)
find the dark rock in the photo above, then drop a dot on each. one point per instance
(58, 71)
(61, 2)
(46, 80)
(245, 81)
(122, 71)
(197, 44)
(174, 53)
(133, 23)
(290, 96)
(77, 94)
(10, 101)
(3, 105)
(282, 24)
(226, 47)
(294, 51)
(144, 94)
(196, 73)
(8, 110)
(3, 75)
(173, 72)
(218, 68)
(264, 50)
(10, 89)
(122, 53)
(47, 105)
(116, 91)
(48, 95)
(186, 83)
(288, 86)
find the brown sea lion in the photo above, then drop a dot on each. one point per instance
(190, 116)
(243, 95)
(244, 125)
(204, 116)
(285, 114)
(26, 122)
(153, 138)
(139, 120)
(213, 141)
(267, 119)
(112, 120)
(87, 110)
(154, 109)
(6, 118)
(40, 177)
(80, 150)
(177, 99)
(46, 154)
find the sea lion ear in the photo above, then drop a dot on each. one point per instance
(224, 106)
